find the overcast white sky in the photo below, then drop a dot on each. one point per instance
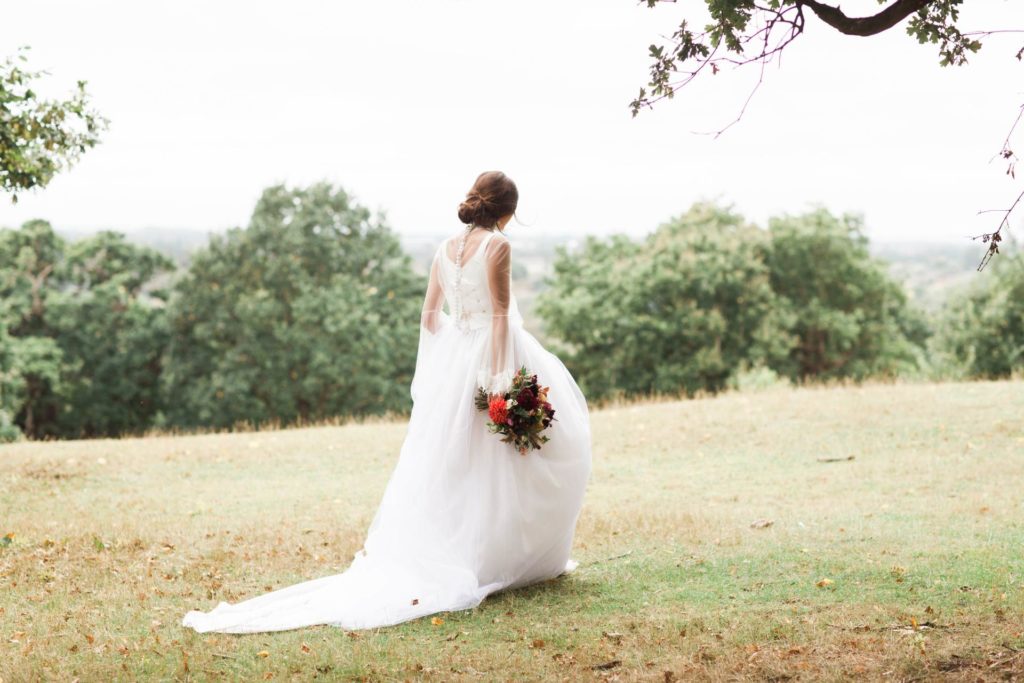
(403, 102)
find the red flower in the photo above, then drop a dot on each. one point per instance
(497, 410)
(527, 399)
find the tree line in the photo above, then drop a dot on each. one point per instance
(312, 312)
(708, 297)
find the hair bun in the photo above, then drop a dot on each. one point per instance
(472, 210)
(492, 197)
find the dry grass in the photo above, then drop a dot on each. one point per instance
(902, 563)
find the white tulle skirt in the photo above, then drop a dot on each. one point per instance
(463, 514)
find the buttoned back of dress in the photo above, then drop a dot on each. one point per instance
(472, 287)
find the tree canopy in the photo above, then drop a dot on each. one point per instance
(753, 32)
(81, 343)
(708, 296)
(310, 312)
(40, 137)
(982, 332)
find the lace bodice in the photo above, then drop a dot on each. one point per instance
(481, 295)
(473, 285)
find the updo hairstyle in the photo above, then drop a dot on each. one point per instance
(492, 196)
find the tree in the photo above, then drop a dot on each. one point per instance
(38, 137)
(847, 316)
(112, 334)
(80, 349)
(745, 32)
(708, 296)
(983, 329)
(12, 386)
(29, 373)
(28, 260)
(680, 311)
(310, 312)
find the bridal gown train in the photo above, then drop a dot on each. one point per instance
(463, 515)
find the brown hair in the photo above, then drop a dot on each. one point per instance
(492, 196)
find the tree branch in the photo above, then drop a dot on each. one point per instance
(992, 239)
(865, 26)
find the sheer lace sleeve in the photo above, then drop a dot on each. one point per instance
(430, 317)
(499, 365)
(432, 320)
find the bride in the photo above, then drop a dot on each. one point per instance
(463, 515)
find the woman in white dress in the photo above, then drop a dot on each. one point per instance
(464, 514)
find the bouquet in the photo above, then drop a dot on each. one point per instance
(521, 413)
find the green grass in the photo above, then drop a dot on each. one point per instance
(903, 563)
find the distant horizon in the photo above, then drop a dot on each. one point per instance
(195, 231)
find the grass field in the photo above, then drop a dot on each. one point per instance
(892, 548)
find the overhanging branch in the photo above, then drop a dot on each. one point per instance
(865, 26)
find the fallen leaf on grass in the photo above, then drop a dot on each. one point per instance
(263, 653)
(537, 644)
(824, 583)
(437, 621)
(761, 523)
(612, 635)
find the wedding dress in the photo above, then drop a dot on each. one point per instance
(463, 514)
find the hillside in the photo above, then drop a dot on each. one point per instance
(822, 533)
(932, 272)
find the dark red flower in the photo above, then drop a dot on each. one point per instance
(527, 399)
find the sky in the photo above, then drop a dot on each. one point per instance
(404, 102)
